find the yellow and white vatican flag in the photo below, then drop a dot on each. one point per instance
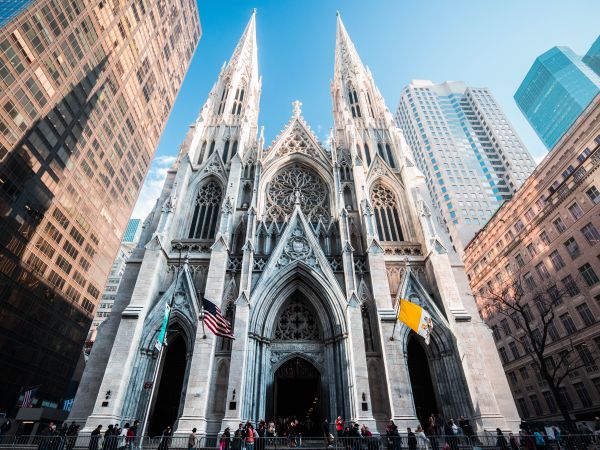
(416, 318)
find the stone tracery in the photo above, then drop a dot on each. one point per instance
(297, 183)
(297, 322)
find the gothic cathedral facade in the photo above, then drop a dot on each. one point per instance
(306, 250)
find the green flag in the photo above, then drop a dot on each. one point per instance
(163, 329)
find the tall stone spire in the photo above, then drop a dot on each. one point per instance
(228, 121)
(347, 61)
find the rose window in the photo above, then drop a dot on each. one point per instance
(297, 322)
(297, 184)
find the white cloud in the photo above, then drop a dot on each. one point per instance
(152, 186)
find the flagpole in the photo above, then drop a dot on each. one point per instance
(397, 311)
(201, 315)
(179, 247)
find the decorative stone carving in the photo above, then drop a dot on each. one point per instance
(297, 248)
(297, 322)
(297, 183)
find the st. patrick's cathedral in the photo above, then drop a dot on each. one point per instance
(306, 249)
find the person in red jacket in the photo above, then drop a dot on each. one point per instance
(339, 426)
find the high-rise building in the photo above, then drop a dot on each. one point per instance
(592, 57)
(306, 250)
(472, 158)
(87, 86)
(128, 243)
(546, 241)
(133, 231)
(557, 88)
(10, 8)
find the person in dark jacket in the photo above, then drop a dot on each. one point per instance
(501, 440)
(412, 439)
(165, 439)
(95, 438)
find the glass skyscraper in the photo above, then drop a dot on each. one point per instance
(592, 57)
(133, 230)
(557, 88)
(471, 157)
(86, 88)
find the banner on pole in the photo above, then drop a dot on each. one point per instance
(160, 340)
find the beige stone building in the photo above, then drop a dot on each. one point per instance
(86, 87)
(548, 235)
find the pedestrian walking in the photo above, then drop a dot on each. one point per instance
(422, 441)
(412, 439)
(192, 440)
(339, 426)
(225, 440)
(501, 440)
(165, 438)
(95, 438)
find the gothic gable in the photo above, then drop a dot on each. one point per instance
(411, 289)
(297, 138)
(298, 246)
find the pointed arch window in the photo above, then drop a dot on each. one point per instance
(387, 218)
(234, 148)
(223, 100)
(367, 328)
(367, 155)
(212, 148)
(236, 109)
(225, 151)
(345, 171)
(201, 155)
(353, 99)
(371, 110)
(206, 211)
(385, 151)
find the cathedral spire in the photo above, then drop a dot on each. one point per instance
(347, 60)
(245, 53)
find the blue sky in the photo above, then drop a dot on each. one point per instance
(484, 43)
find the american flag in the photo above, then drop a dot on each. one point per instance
(28, 398)
(215, 321)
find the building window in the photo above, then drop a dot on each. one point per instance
(559, 225)
(519, 226)
(524, 373)
(503, 355)
(591, 233)
(555, 295)
(576, 211)
(236, 109)
(529, 281)
(505, 327)
(206, 211)
(523, 408)
(223, 98)
(557, 260)
(565, 397)
(568, 323)
(531, 249)
(585, 355)
(583, 394)
(526, 310)
(536, 404)
(553, 332)
(512, 378)
(572, 248)
(586, 315)
(386, 214)
(226, 151)
(593, 194)
(588, 274)
(542, 271)
(544, 237)
(514, 350)
(496, 333)
(549, 399)
(571, 285)
(367, 155)
(353, 98)
(520, 260)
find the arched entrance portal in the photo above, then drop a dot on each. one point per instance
(165, 410)
(298, 394)
(420, 381)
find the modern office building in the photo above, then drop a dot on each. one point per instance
(128, 243)
(133, 231)
(592, 57)
(87, 87)
(557, 88)
(547, 239)
(471, 157)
